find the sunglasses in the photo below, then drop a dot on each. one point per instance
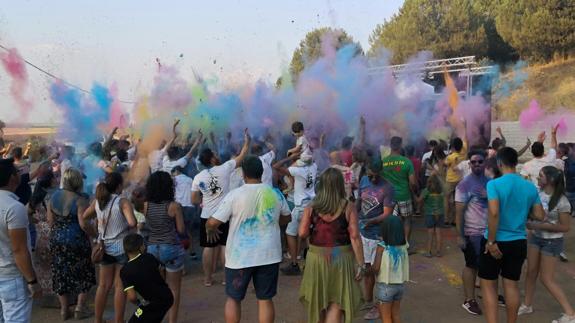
(476, 162)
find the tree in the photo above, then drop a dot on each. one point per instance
(448, 28)
(310, 48)
(538, 29)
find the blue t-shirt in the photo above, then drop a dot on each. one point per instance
(516, 197)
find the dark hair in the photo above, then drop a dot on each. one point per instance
(395, 143)
(122, 155)
(17, 152)
(105, 189)
(507, 156)
(476, 152)
(173, 152)
(346, 142)
(491, 163)
(409, 150)
(95, 149)
(257, 149)
(392, 231)
(40, 189)
(496, 143)
(432, 143)
(537, 149)
(563, 148)
(133, 242)
(437, 154)
(206, 156)
(433, 184)
(556, 178)
(7, 169)
(457, 144)
(297, 127)
(252, 167)
(160, 188)
(375, 166)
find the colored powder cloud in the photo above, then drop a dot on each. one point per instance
(16, 67)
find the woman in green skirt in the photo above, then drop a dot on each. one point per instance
(334, 264)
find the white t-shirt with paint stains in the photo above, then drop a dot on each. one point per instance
(254, 237)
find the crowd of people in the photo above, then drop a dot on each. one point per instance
(123, 218)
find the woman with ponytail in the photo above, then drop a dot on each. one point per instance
(546, 242)
(115, 221)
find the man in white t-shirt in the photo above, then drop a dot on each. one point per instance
(209, 188)
(304, 191)
(18, 283)
(255, 212)
(171, 160)
(183, 196)
(531, 169)
(237, 179)
(156, 157)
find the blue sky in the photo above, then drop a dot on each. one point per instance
(234, 41)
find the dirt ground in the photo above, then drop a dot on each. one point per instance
(434, 294)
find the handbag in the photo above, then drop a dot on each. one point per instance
(99, 248)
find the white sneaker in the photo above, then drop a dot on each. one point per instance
(524, 309)
(565, 319)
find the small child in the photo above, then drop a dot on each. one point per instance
(433, 207)
(391, 267)
(302, 145)
(142, 275)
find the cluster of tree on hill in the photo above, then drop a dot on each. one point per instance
(498, 30)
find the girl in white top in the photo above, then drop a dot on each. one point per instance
(391, 267)
(546, 242)
(116, 219)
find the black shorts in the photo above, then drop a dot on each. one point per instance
(509, 266)
(151, 313)
(204, 237)
(265, 280)
(472, 251)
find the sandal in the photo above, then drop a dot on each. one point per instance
(81, 313)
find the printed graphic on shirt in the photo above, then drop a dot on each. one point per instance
(213, 186)
(308, 180)
(368, 203)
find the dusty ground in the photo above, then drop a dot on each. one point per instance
(433, 296)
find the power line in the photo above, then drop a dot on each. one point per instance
(61, 79)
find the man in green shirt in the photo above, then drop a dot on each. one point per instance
(398, 170)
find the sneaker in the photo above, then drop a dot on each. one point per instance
(501, 300)
(565, 319)
(291, 270)
(472, 307)
(193, 256)
(373, 314)
(563, 257)
(524, 309)
(367, 306)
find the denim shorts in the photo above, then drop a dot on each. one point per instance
(108, 260)
(171, 256)
(388, 293)
(548, 247)
(15, 300)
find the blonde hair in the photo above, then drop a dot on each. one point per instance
(73, 180)
(330, 192)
